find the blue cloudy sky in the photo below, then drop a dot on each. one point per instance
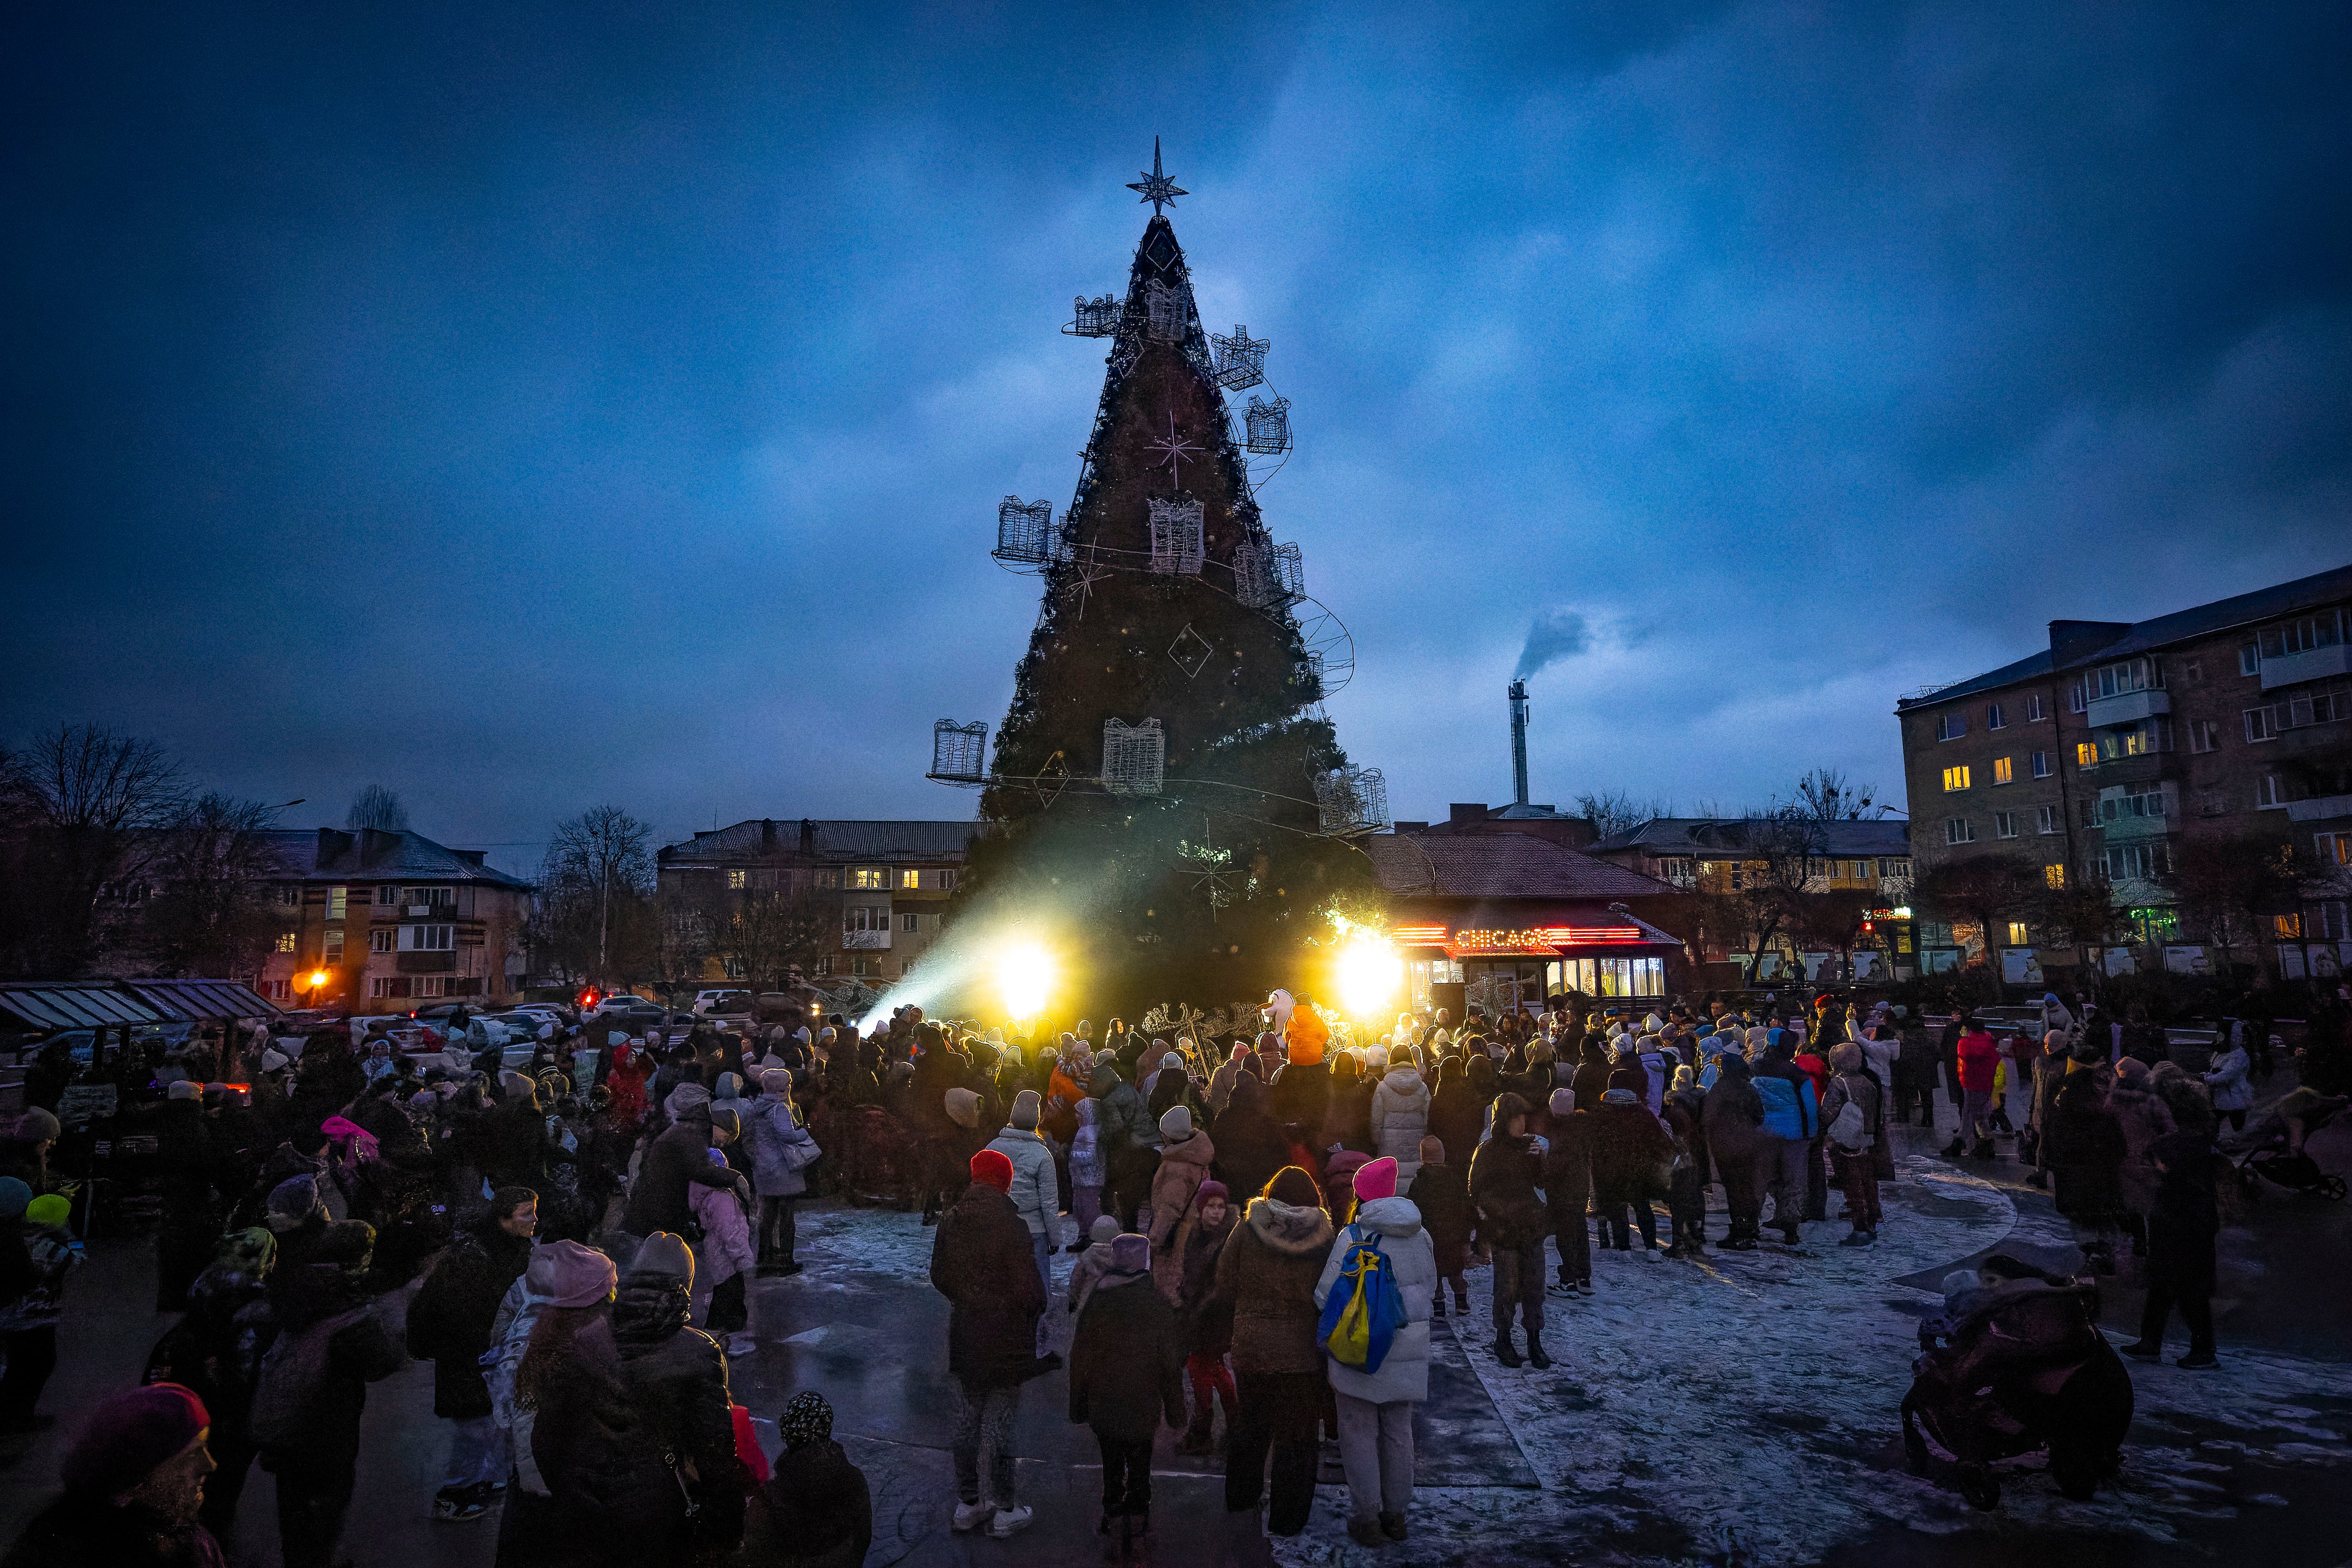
(528, 406)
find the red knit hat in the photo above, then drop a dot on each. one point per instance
(129, 1435)
(993, 1168)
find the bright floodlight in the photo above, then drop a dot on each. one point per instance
(1369, 976)
(1023, 973)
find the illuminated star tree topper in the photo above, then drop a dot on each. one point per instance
(1158, 188)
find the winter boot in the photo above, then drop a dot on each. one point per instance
(1113, 1531)
(1462, 1299)
(1957, 1146)
(1535, 1357)
(1437, 1304)
(1393, 1526)
(1983, 1150)
(1366, 1531)
(2200, 1358)
(1196, 1439)
(1505, 1352)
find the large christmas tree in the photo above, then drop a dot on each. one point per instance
(1166, 602)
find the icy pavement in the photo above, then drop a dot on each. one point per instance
(1742, 1408)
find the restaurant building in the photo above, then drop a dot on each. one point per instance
(1498, 920)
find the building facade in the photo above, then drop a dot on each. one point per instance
(886, 883)
(1501, 920)
(1717, 855)
(2105, 753)
(382, 921)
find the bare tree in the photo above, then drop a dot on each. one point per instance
(1981, 892)
(2229, 888)
(1615, 811)
(765, 933)
(1824, 795)
(598, 862)
(83, 803)
(212, 912)
(378, 807)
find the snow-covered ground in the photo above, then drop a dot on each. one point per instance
(1744, 1406)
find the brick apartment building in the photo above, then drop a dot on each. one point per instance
(392, 919)
(2109, 750)
(889, 882)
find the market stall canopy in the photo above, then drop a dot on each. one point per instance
(47, 1004)
(1499, 865)
(206, 1001)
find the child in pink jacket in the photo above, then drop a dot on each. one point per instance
(723, 1260)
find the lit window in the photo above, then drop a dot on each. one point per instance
(285, 941)
(2086, 755)
(332, 949)
(1994, 718)
(2004, 770)
(1959, 830)
(874, 877)
(2054, 877)
(2017, 933)
(2335, 848)
(2033, 710)
(2287, 928)
(2046, 819)
(338, 899)
(910, 879)
(1955, 779)
(735, 879)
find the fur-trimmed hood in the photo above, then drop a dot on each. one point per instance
(1289, 1229)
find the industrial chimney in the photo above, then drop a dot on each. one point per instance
(1519, 743)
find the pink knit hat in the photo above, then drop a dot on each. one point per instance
(578, 1276)
(129, 1435)
(1377, 1180)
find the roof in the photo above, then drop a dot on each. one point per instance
(1499, 866)
(2139, 636)
(76, 1004)
(1699, 835)
(830, 840)
(331, 855)
(211, 1001)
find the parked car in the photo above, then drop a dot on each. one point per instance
(727, 1001)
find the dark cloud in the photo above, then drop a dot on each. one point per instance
(524, 406)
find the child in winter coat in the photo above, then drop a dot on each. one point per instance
(1087, 1172)
(1092, 1261)
(1126, 1377)
(724, 1258)
(1442, 1192)
(36, 1253)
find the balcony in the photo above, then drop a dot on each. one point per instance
(426, 962)
(865, 940)
(2319, 663)
(2129, 709)
(2322, 808)
(2146, 768)
(2127, 829)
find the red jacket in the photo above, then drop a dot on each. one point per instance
(1979, 1057)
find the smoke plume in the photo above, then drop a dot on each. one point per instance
(1554, 635)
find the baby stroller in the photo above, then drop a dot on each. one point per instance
(2017, 1368)
(2275, 1149)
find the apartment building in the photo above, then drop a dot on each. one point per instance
(2121, 741)
(888, 881)
(381, 921)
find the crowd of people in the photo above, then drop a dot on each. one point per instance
(586, 1225)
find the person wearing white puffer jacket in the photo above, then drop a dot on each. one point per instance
(1376, 1408)
(1400, 1120)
